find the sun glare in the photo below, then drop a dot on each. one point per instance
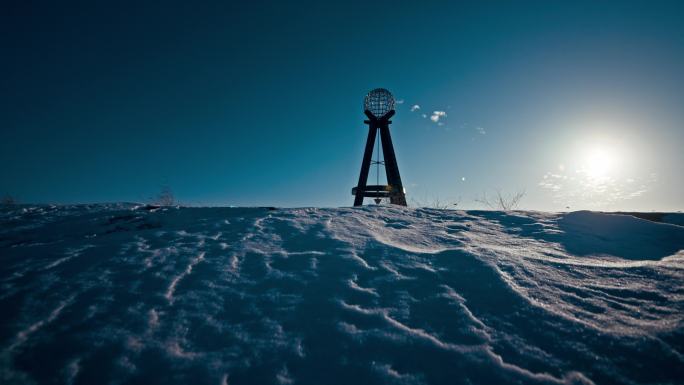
(599, 162)
(598, 172)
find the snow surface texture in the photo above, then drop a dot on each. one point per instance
(127, 294)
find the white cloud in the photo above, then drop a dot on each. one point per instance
(424, 116)
(415, 107)
(481, 130)
(400, 101)
(437, 115)
(582, 190)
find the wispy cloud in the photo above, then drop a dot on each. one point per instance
(480, 130)
(415, 107)
(579, 189)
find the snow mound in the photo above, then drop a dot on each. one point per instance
(131, 294)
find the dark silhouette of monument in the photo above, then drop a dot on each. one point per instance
(379, 108)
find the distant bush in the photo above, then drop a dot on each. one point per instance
(435, 203)
(501, 201)
(8, 200)
(165, 197)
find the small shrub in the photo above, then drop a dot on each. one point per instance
(165, 197)
(436, 203)
(8, 200)
(502, 201)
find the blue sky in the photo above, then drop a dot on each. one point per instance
(260, 103)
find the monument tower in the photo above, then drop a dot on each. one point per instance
(379, 108)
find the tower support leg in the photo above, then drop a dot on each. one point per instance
(365, 166)
(397, 195)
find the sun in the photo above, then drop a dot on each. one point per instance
(599, 161)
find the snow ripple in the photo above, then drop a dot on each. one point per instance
(174, 282)
(134, 294)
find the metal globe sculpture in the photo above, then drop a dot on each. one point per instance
(379, 102)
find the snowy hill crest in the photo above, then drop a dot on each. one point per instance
(370, 295)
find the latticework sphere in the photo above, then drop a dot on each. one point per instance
(379, 102)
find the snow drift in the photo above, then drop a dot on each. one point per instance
(131, 294)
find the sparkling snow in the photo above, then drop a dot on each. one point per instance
(131, 294)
